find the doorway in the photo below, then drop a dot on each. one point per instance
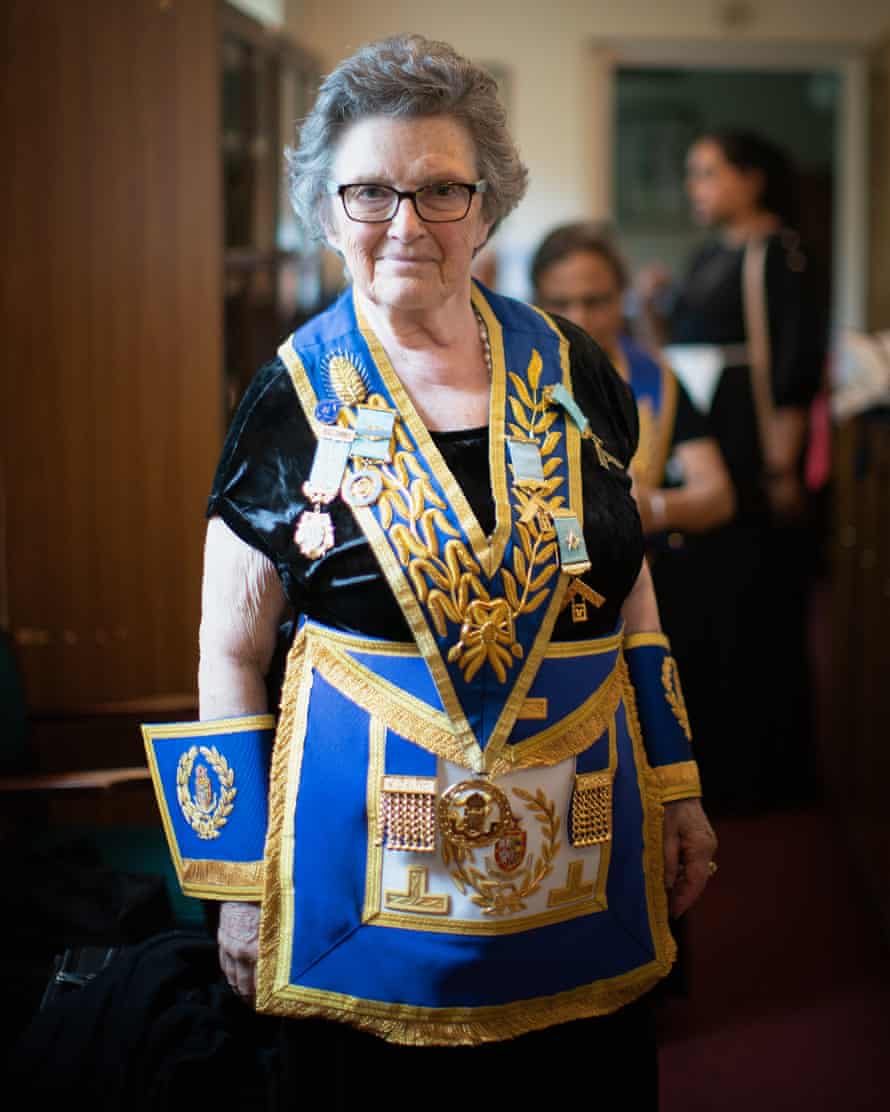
(659, 112)
(765, 86)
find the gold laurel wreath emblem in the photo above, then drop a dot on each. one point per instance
(499, 893)
(445, 576)
(673, 692)
(205, 824)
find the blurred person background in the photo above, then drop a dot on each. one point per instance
(748, 335)
(681, 483)
(151, 260)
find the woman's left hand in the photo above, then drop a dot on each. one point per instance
(689, 847)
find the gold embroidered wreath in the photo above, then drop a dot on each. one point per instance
(446, 577)
(206, 825)
(673, 692)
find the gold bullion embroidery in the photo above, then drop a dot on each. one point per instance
(446, 578)
(534, 708)
(678, 781)
(673, 692)
(231, 880)
(408, 814)
(592, 809)
(511, 876)
(204, 810)
(417, 897)
(576, 888)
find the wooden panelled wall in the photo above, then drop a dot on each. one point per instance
(858, 754)
(879, 187)
(111, 404)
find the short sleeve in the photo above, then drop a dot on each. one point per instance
(797, 328)
(689, 422)
(603, 395)
(257, 489)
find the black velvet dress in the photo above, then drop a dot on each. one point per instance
(268, 453)
(160, 1029)
(747, 680)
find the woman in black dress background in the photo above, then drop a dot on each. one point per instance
(747, 333)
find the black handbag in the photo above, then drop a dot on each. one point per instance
(74, 968)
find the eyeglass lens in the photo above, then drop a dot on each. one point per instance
(447, 201)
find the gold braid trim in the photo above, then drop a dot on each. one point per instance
(678, 781)
(568, 737)
(413, 1026)
(270, 919)
(409, 1026)
(635, 640)
(404, 714)
(222, 880)
(653, 835)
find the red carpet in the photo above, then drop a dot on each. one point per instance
(788, 1004)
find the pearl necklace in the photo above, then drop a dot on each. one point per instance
(486, 344)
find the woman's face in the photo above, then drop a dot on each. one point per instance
(584, 288)
(718, 190)
(407, 264)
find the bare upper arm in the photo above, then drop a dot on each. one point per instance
(242, 602)
(640, 609)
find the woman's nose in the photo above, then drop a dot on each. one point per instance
(406, 223)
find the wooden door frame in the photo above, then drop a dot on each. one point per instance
(850, 64)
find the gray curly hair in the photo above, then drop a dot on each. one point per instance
(405, 76)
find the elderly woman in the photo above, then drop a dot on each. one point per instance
(482, 802)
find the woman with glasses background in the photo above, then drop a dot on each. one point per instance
(457, 860)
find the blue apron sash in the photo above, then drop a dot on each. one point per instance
(415, 897)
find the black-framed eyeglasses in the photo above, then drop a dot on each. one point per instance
(441, 203)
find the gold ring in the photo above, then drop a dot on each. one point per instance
(712, 868)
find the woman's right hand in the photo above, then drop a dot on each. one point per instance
(238, 939)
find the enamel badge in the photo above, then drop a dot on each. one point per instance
(362, 488)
